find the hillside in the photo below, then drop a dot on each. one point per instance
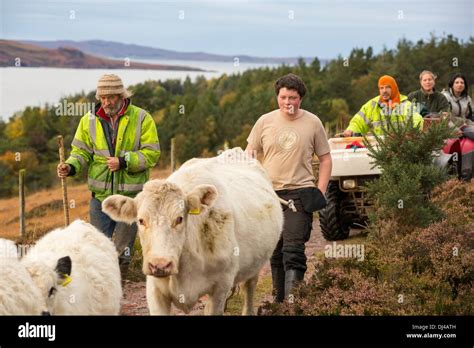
(44, 210)
(120, 50)
(28, 55)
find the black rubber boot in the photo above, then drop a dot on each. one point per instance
(292, 278)
(278, 281)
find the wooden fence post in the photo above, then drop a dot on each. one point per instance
(21, 178)
(173, 158)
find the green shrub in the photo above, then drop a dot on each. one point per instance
(409, 174)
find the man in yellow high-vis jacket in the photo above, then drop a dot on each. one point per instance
(389, 105)
(119, 143)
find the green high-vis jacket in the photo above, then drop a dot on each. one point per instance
(373, 116)
(137, 141)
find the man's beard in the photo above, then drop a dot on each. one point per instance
(114, 111)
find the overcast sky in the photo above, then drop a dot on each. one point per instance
(261, 28)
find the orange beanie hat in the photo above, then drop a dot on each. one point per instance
(395, 96)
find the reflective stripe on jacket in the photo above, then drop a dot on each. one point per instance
(137, 141)
(373, 116)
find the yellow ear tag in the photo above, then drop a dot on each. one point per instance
(67, 280)
(194, 211)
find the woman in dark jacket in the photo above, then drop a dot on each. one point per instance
(427, 98)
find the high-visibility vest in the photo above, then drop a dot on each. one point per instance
(373, 116)
(137, 141)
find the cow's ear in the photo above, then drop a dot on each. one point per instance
(120, 208)
(63, 269)
(201, 196)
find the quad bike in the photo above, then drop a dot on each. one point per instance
(347, 202)
(458, 154)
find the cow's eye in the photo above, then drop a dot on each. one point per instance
(179, 220)
(52, 291)
(141, 222)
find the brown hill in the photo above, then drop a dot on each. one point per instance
(26, 55)
(44, 210)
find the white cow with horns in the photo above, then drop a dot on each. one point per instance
(207, 228)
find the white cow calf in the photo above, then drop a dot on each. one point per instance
(76, 269)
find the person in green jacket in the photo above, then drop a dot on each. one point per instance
(388, 105)
(427, 99)
(118, 142)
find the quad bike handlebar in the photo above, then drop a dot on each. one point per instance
(353, 135)
(467, 131)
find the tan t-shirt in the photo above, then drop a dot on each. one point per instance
(288, 147)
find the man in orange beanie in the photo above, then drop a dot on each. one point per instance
(388, 104)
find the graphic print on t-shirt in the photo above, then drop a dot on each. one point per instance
(287, 138)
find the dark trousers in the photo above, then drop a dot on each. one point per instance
(124, 233)
(297, 226)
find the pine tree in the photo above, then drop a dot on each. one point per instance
(406, 156)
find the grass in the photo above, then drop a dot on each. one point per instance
(235, 303)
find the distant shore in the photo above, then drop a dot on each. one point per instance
(16, 54)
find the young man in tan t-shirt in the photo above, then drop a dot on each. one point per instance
(288, 138)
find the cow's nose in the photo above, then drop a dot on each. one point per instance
(160, 267)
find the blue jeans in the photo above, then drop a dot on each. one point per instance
(124, 233)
